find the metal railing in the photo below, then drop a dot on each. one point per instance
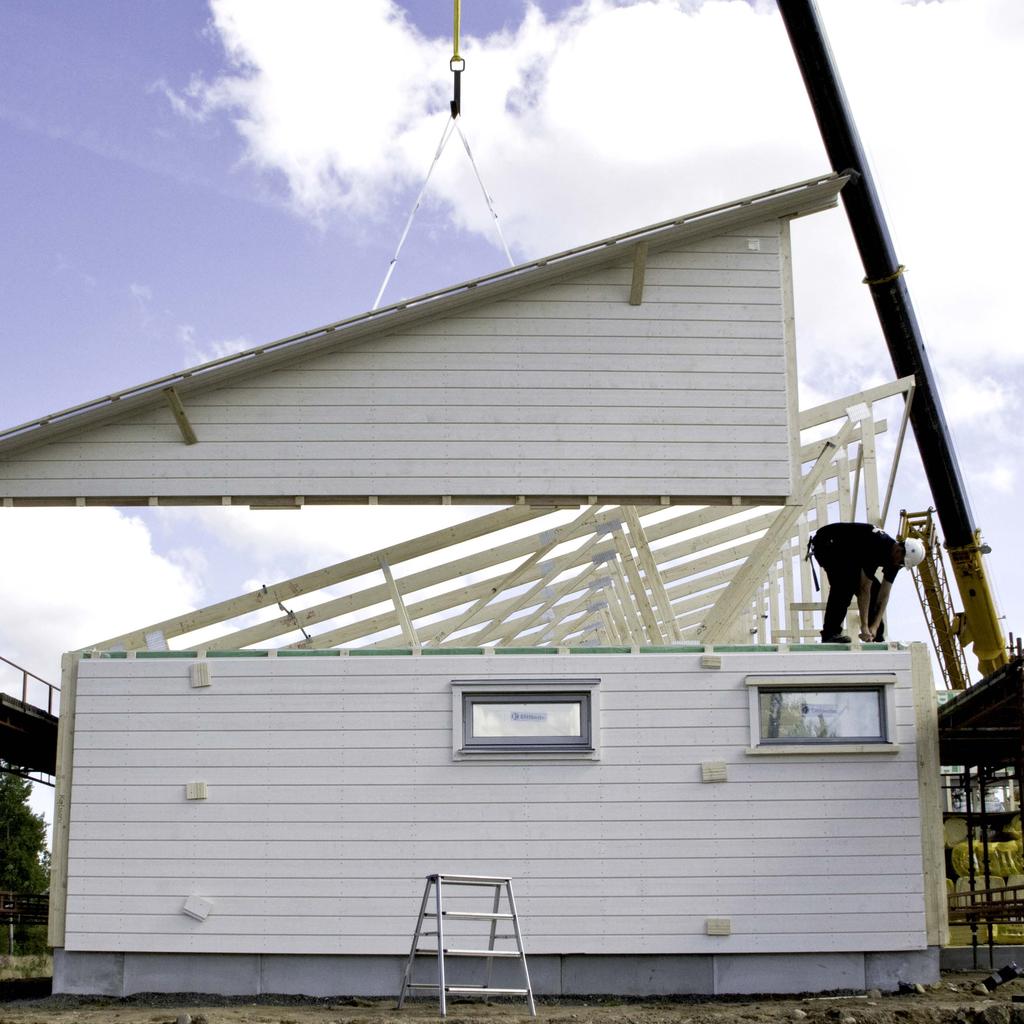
(52, 703)
(20, 908)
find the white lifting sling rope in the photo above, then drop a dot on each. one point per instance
(457, 65)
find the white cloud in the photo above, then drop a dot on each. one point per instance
(197, 351)
(1000, 479)
(72, 577)
(321, 92)
(975, 399)
(614, 115)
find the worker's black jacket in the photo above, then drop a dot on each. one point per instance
(845, 547)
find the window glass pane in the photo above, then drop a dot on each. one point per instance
(526, 719)
(811, 715)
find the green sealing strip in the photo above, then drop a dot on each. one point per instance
(742, 649)
(677, 649)
(405, 652)
(330, 652)
(525, 650)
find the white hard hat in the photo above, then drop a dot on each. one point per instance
(913, 552)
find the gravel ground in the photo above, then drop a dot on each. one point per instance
(957, 999)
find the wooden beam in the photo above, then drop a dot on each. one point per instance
(867, 443)
(563, 564)
(434, 576)
(788, 594)
(320, 578)
(636, 289)
(929, 791)
(573, 616)
(856, 482)
(516, 575)
(773, 600)
(809, 451)
(900, 437)
(428, 607)
(820, 414)
(843, 484)
(552, 612)
(685, 608)
(408, 629)
(804, 568)
(188, 435)
(747, 578)
(621, 589)
(649, 564)
(638, 588)
(616, 613)
(62, 799)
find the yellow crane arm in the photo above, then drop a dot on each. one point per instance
(980, 625)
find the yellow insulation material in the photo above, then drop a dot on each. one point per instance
(1003, 858)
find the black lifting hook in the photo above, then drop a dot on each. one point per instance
(458, 65)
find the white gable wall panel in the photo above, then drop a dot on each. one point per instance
(333, 792)
(564, 389)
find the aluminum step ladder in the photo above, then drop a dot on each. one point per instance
(490, 954)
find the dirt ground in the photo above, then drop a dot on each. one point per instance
(957, 999)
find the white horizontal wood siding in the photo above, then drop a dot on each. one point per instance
(562, 389)
(333, 793)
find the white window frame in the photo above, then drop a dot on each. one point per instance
(886, 682)
(535, 688)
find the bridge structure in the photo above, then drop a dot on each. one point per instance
(29, 706)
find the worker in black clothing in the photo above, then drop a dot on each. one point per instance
(851, 554)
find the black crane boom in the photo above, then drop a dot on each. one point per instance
(884, 276)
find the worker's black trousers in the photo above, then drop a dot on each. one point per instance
(843, 584)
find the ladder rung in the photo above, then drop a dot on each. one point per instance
(482, 990)
(483, 952)
(472, 915)
(470, 879)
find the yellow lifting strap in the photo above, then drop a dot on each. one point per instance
(457, 64)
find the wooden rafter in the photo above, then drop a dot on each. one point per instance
(528, 576)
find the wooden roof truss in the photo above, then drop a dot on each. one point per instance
(605, 575)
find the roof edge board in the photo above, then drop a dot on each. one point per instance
(277, 501)
(801, 199)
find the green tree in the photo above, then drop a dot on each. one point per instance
(24, 859)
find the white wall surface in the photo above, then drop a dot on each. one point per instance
(333, 792)
(562, 389)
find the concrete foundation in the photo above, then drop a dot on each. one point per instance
(126, 974)
(962, 958)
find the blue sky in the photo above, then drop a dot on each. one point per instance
(180, 179)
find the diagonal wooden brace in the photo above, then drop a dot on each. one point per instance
(749, 576)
